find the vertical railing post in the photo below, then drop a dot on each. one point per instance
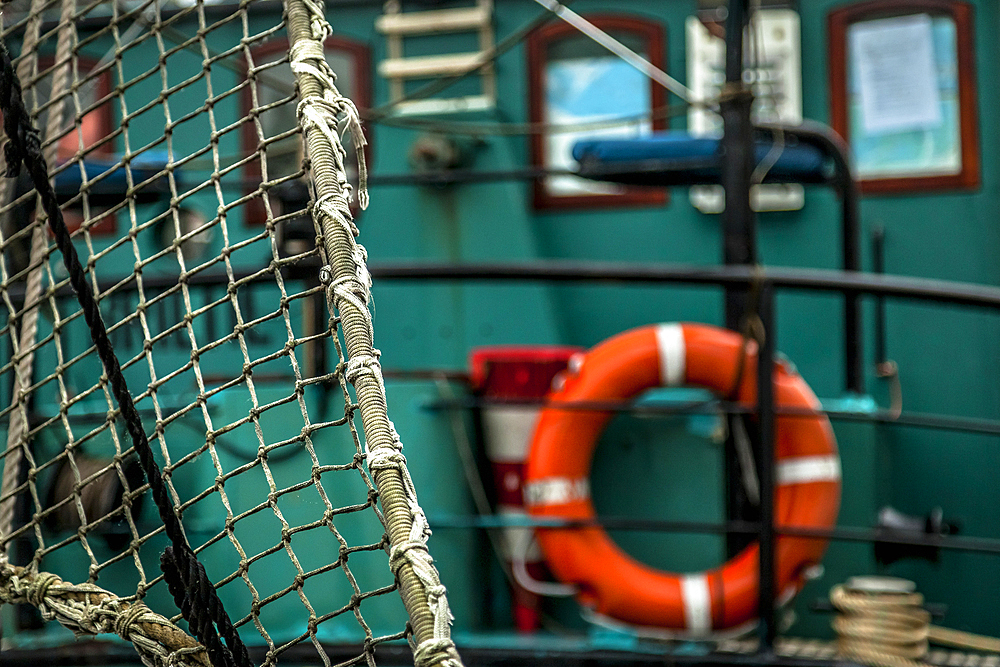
(738, 230)
(854, 375)
(765, 467)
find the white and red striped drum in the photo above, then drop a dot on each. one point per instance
(515, 380)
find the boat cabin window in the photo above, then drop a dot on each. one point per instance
(277, 144)
(580, 90)
(87, 123)
(903, 93)
(90, 135)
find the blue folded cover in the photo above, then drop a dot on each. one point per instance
(798, 159)
(143, 167)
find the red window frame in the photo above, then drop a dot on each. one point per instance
(537, 45)
(254, 214)
(839, 20)
(103, 114)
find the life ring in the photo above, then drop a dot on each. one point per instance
(609, 581)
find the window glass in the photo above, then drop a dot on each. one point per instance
(579, 90)
(916, 129)
(586, 85)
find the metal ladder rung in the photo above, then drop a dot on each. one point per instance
(426, 66)
(434, 21)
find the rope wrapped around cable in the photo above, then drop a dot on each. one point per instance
(189, 584)
(89, 609)
(348, 285)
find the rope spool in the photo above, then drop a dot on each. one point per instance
(882, 621)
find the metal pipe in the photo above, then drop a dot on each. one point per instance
(739, 233)
(916, 419)
(764, 456)
(820, 280)
(832, 145)
(982, 545)
(878, 267)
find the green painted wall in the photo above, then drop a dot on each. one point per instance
(948, 357)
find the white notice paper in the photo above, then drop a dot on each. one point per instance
(896, 74)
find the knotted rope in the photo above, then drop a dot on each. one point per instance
(87, 609)
(193, 591)
(17, 429)
(348, 289)
(323, 111)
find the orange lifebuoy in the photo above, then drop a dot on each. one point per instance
(612, 583)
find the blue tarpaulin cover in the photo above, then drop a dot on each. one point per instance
(674, 149)
(144, 167)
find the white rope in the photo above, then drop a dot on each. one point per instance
(319, 116)
(620, 50)
(325, 113)
(440, 649)
(17, 431)
(87, 609)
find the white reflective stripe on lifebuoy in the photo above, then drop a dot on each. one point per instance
(670, 344)
(697, 602)
(805, 469)
(556, 491)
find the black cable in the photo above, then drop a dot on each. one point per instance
(186, 577)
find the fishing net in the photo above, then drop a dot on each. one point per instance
(195, 151)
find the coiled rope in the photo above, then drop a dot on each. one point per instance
(883, 626)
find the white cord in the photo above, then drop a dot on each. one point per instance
(620, 50)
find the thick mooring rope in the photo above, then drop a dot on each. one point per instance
(348, 293)
(87, 609)
(188, 582)
(17, 429)
(883, 629)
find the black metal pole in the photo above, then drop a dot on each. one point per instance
(825, 139)
(764, 455)
(738, 229)
(854, 375)
(878, 267)
(740, 243)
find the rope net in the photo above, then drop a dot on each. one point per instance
(217, 236)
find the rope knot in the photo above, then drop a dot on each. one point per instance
(437, 651)
(363, 364)
(399, 554)
(124, 620)
(306, 50)
(38, 589)
(382, 458)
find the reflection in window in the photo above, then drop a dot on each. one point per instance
(583, 91)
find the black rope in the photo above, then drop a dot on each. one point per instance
(186, 578)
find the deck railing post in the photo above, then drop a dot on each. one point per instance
(765, 466)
